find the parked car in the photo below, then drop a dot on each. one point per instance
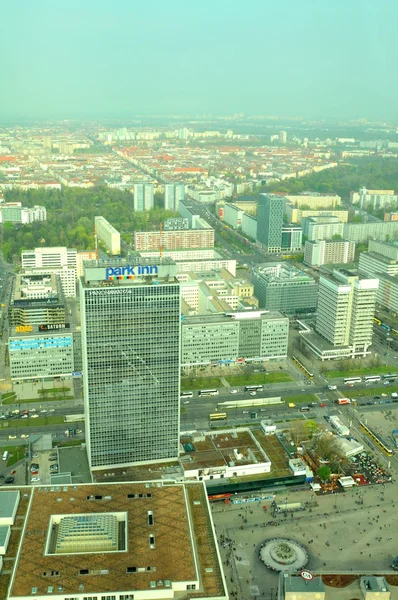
(9, 480)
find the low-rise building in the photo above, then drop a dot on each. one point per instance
(230, 338)
(314, 200)
(14, 212)
(158, 540)
(36, 300)
(327, 252)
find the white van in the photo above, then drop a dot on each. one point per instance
(332, 387)
(5, 455)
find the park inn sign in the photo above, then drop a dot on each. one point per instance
(129, 271)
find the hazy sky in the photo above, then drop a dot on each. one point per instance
(323, 58)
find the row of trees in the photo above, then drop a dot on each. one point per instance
(70, 218)
(373, 173)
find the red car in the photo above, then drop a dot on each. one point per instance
(322, 405)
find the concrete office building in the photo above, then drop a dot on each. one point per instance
(292, 238)
(81, 257)
(322, 228)
(36, 300)
(322, 252)
(57, 260)
(40, 355)
(313, 200)
(387, 293)
(131, 319)
(143, 197)
(108, 235)
(295, 215)
(362, 232)
(174, 193)
(279, 286)
(174, 240)
(270, 222)
(230, 338)
(373, 264)
(344, 323)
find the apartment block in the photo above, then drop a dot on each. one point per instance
(174, 240)
(108, 235)
(313, 200)
(174, 193)
(322, 228)
(377, 199)
(362, 232)
(143, 197)
(322, 252)
(295, 215)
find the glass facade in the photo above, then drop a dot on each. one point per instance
(270, 221)
(131, 361)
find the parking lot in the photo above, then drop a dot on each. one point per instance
(46, 460)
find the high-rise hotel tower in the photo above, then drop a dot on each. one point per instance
(131, 324)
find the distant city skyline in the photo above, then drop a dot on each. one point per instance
(103, 59)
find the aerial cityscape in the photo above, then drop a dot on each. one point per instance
(199, 301)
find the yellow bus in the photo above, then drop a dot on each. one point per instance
(218, 417)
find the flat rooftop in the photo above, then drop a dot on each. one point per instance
(217, 450)
(7, 504)
(160, 542)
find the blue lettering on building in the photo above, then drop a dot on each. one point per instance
(130, 271)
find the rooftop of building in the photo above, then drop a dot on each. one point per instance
(230, 448)
(274, 271)
(227, 317)
(44, 289)
(159, 524)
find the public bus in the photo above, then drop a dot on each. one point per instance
(391, 376)
(218, 417)
(253, 388)
(372, 378)
(349, 380)
(184, 395)
(208, 392)
(343, 401)
(376, 439)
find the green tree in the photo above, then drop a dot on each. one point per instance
(323, 473)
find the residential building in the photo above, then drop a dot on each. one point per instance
(37, 300)
(46, 353)
(143, 197)
(292, 238)
(173, 194)
(282, 137)
(233, 338)
(131, 319)
(270, 222)
(377, 199)
(323, 252)
(174, 240)
(346, 307)
(280, 286)
(387, 293)
(14, 212)
(322, 228)
(313, 200)
(108, 235)
(379, 230)
(81, 257)
(158, 539)
(375, 264)
(295, 215)
(391, 216)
